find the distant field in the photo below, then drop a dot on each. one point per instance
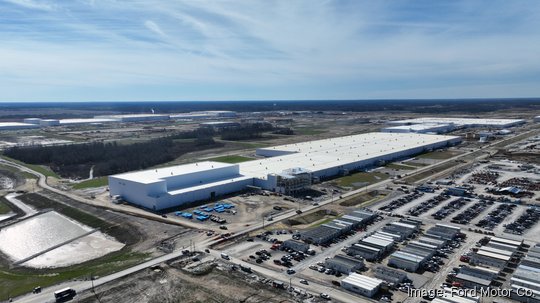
(361, 179)
(308, 131)
(96, 182)
(230, 159)
(439, 155)
(40, 169)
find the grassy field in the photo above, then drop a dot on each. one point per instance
(436, 169)
(399, 166)
(40, 169)
(308, 131)
(439, 155)
(309, 218)
(230, 159)
(362, 177)
(16, 171)
(359, 200)
(4, 209)
(96, 182)
(17, 281)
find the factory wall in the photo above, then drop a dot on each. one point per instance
(200, 177)
(137, 193)
(172, 200)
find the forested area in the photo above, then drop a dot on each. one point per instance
(75, 161)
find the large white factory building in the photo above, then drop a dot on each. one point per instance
(285, 169)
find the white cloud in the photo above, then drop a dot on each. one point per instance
(33, 4)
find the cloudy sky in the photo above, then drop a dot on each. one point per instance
(84, 50)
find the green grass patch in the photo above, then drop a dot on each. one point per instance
(18, 281)
(439, 155)
(4, 209)
(399, 166)
(230, 159)
(417, 164)
(308, 131)
(309, 218)
(360, 179)
(40, 169)
(15, 170)
(244, 145)
(96, 182)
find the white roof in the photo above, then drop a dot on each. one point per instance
(418, 127)
(17, 124)
(329, 153)
(506, 241)
(362, 281)
(155, 175)
(85, 121)
(459, 121)
(492, 255)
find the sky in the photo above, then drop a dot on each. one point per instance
(150, 50)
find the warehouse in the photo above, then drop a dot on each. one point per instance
(363, 285)
(16, 125)
(364, 251)
(400, 228)
(536, 119)
(443, 231)
(389, 275)
(344, 264)
(320, 234)
(135, 117)
(156, 189)
(295, 245)
(32, 120)
(49, 122)
(432, 241)
(406, 261)
(70, 122)
(428, 128)
(472, 277)
(335, 228)
(490, 259)
(384, 244)
(162, 188)
(515, 243)
(462, 122)
(525, 277)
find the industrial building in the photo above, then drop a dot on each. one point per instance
(363, 285)
(462, 122)
(536, 119)
(84, 121)
(158, 189)
(344, 264)
(443, 232)
(16, 125)
(135, 117)
(295, 245)
(405, 230)
(406, 261)
(483, 257)
(476, 276)
(525, 277)
(389, 275)
(49, 122)
(362, 251)
(427, 128)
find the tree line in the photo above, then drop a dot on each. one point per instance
(75, 161)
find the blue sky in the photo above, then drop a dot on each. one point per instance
(114, 50)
